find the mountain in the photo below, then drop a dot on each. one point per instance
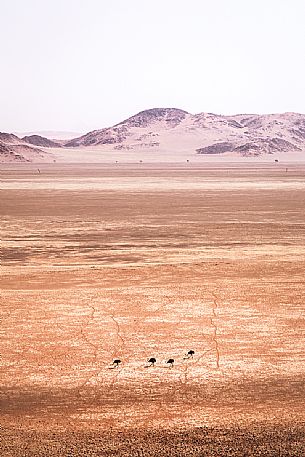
(171, 129)
(41, 141)
(9, 138)
(14, 149)
(157, 118)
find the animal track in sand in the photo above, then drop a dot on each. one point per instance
(118, 331)
(213, 320)
(95, 347)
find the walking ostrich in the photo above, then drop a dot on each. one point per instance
(170, 362)
(189, 354)
(152, 361)
(116, 362)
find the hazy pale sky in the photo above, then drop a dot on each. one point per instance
(80, 65)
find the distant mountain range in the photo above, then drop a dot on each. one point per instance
(171, 129)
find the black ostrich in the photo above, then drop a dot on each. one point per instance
(152, 361)
(116, 362)
(189, 354)
(170, 362)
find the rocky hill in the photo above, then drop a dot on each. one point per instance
(41, 141)
(203, 133)
(171, 130)
(9, 138)
(15, 149)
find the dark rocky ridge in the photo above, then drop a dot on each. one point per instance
(251, 148)
(9, 138)
(217, 148)
(172, 117)
(41, 141)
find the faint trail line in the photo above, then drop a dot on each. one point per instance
(119, 336)
(213, 320)
(115, 377)
(95, 347)
(122, 347)
(183, 378)
(184, 372)
(162, 304)
(202, 355)
(185, 360)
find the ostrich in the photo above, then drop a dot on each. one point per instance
(190, 353)
(152, 361)
(170, 362)
(116, 362)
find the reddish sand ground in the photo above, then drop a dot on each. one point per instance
(138, 261)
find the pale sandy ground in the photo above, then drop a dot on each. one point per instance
(134, 261)
(174, 153)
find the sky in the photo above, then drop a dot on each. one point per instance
(80, 65)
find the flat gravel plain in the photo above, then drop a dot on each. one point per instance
(136, 261)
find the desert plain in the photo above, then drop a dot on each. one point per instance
(132, 261)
